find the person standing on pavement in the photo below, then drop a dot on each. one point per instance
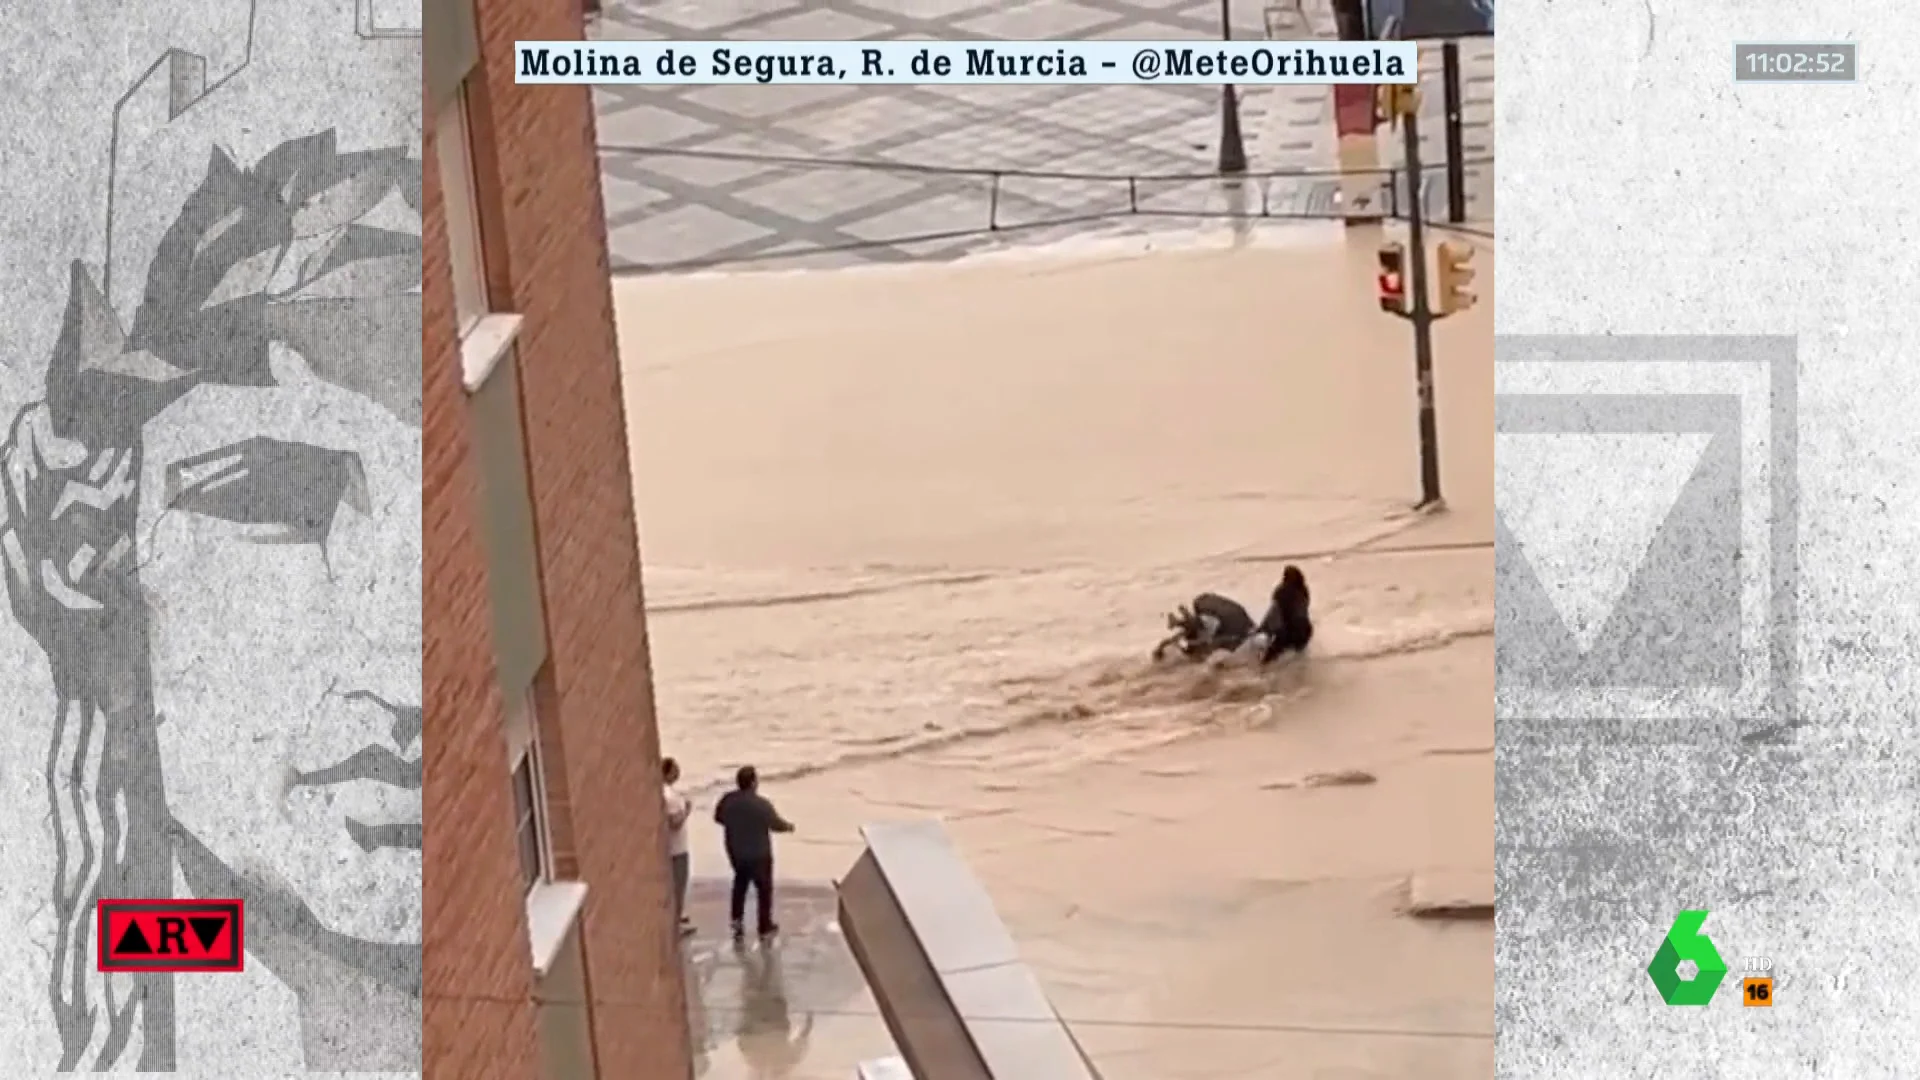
(679, 809)
(750, 821)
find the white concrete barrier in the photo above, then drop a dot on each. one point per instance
(960, 1003)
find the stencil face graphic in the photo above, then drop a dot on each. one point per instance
(1646, 537)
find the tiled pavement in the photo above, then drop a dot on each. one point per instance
(1476, 124)
(794, 1008)
(674, 200)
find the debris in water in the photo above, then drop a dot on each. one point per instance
(1451, 896)
(1343, 778)
(1458, 751)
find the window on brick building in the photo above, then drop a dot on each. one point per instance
(566, 1029)
(531, 835)
(518, 602)
(466, 256)
(490, 370)
(507, 528)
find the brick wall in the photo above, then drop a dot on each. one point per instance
(478, 1019)
(547, 260)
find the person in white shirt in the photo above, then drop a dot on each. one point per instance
(679, 808)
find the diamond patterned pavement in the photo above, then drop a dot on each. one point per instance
(1476, 122)
(670, 209)
(1292, 126)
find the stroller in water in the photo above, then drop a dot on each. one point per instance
(1212, 623)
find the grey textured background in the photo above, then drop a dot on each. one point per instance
(237, 656)
(1643, 193)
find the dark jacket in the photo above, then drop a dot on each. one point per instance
(1232, 623)
(750, 822)
(1287, 626)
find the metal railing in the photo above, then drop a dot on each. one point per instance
(1013, 201)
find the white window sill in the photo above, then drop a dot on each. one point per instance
(552, 909)
(484, 346)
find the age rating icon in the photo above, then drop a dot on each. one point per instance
(1756, 991)
(171, 935)
(1645, 548)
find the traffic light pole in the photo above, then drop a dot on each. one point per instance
(1420, 313)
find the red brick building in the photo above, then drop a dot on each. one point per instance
(550, 950)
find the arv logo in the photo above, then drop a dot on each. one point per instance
(1686, 941)
(171, 935)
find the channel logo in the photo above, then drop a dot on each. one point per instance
(1646, 539)
(1687, 944)
(171, 935)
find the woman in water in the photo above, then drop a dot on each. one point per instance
(1287, 625)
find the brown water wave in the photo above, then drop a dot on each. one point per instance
(1160, 700)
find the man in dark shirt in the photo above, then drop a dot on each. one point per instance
(750, 822)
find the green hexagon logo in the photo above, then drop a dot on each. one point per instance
(1685, 941)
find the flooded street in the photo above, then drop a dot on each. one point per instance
(910, 534)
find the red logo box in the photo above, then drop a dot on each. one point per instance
(171, 935)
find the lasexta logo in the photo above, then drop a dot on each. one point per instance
(1687, 942)
(171, 935)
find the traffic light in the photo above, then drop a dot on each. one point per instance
(1456, 273)
(1393, 279)
(1395, 100)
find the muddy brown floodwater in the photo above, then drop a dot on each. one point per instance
(909, 536)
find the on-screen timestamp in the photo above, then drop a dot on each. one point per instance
(1832, 62)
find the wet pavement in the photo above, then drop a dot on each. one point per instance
(825, 176)
(793, 1008)
(833, 176)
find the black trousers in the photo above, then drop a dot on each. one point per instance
(755, 874)
(1292, 637)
